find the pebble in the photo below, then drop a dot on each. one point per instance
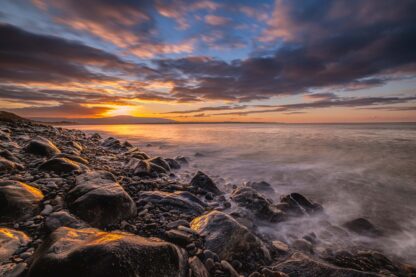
(229, 268)
(47, 210)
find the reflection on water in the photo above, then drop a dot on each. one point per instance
(352, 169)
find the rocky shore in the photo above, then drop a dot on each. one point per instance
(73, 204)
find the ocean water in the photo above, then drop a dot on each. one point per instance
(353, 170)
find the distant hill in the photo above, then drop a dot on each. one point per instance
(122, 119)
(6, 116)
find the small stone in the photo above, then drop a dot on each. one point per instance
(47, 210)
(209, 264)
(280, 246)
(228, 267)
(198, 268)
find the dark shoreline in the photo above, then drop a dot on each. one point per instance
(141, 197)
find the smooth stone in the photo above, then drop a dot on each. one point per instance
(160, 162)
(99, 200)
(42, 147)
(197, 267)
(280, 246)
(229, 268)
(185, 201)
(63, 218)
(202, 181)
(46, 210)
(94, 253)
(60, 165)
(74, 158)
(363, 227)
(230, 240)
(300, 264)
(10, 241)
(18, 200)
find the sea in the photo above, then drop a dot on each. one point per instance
(353, 170)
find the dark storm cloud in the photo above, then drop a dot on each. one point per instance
(358, 50)
(339, 102)
(61, 110)
(28, 57)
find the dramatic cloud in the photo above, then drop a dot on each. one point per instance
(238, 56)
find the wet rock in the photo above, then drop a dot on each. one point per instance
(99, 200)
(144, 168)
(90, 252)
(4, 136)
(74, 158)
(300, 264)
(280, 246)
(255, 202)
(10, 241)
(363, 227)
(303, 245)
(179, 237)
(297, 204)
(12, 269)
(185, 201)
(203, 182)
(9, 156)
(6, 165)
(173, 164)
(75, 145)
(18, 200)
(112, 143)
(182, 160)
(369, 261)
(96, 136)
(63, 218)
(229, 268)
(197, 267)
(42, 147)
(160, 162)
(60, 165)
(230, 240)
(261, 186)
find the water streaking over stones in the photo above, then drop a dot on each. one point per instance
(80, 205)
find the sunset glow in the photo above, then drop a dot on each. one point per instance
(210, 61)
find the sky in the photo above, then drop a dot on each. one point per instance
(210, 61)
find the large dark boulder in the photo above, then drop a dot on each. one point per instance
(297, 204)
(99, 200)
(18, 200)
(144, 168)
(10, 241)
(60, 165)
(182, 200)
(63, 218)
(231, 240)
(363, 227)
(92, 253)
(160, 162)
(252, 200)
(301, 265)
(42, 147)
(203, 182)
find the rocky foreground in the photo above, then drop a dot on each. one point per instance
(78, 205)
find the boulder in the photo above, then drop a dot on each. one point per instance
(362, 227)
(18, 200)
(6, 165)
(10, 241)
(9, 156)
(70, 252)
(160, 162)
(261, 186)
(203, 182)
(297, 204)
(112, 143)
(252, 200)
(99, 200)
(197, 267)
(72, 157)
(369, 261)
(144, 168)
(42, 147)
(63, 218)
(4, 136)
(173, 164)
(231, 240)
(60, 165)
(182, 200)
(300, 264)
